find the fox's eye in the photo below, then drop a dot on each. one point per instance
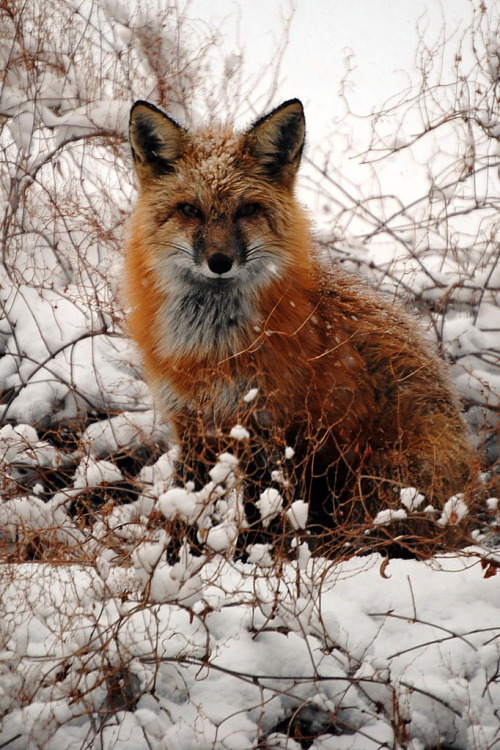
(248, 209)
(187, 209)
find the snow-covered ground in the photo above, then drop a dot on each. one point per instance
(233, 656)
(104, 644)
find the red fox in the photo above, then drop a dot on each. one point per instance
(228, 298)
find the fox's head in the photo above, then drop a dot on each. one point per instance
(216, 226)
(219, 204)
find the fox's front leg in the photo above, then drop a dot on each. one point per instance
(265, 467)
(197, 455)
(199, 446)
(261, 458)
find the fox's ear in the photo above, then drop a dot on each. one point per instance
(156, 140)
(277, 139)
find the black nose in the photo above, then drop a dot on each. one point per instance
(220, 263)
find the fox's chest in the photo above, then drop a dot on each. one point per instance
(205, 319)
(211, 394)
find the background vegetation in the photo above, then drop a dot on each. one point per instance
(104, 644)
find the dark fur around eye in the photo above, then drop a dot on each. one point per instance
(248, 209)
(188, 210)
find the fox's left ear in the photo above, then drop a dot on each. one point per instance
(156, 140)
(277, 140)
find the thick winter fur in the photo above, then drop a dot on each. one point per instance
(227, 294)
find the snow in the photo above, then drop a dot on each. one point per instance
(250, 395)
(224, 469)
(454, 510)
(342, 641)
(61, 338)
(106, 641)
(385, 516)
(269, 504)
(297, 514)
(178, 502)
(239, 433)
(126, 431)
(411, 498)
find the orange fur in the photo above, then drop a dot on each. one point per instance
(227, 293)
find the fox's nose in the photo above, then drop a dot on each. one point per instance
(220, 263)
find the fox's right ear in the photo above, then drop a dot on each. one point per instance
(156, 140)
(277, 140)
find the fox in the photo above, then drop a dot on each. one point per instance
(240, 321)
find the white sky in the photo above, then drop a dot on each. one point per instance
(379, 36)
(382, 35)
